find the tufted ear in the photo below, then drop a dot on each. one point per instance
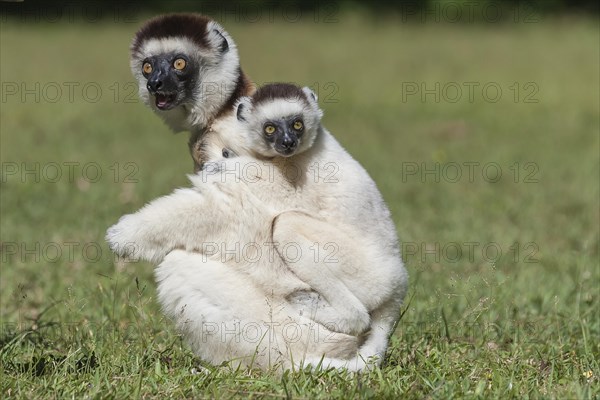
(243, 108)
(310, 95)
(312, 99)
(217, 37)
(224, 45)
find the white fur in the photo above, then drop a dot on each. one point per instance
(228, 318)
(239, 201)
(216, 295)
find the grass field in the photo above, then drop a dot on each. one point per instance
(504, 269)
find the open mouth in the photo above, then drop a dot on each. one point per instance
(286, 152)
(165, 101)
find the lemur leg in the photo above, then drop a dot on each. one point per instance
(383, 321)
(323, 257)
(227, 317)
(197, 294)
(372, 352)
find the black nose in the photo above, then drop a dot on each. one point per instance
(154, 84)
(288, 142)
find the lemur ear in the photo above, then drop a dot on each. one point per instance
(312, 99)
(217, 37)
(224, 45)
(243, 108)
(310, 95)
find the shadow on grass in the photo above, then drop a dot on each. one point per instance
(37, 339)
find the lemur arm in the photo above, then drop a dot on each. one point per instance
(185, 219)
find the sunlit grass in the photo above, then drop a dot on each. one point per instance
(479, 324)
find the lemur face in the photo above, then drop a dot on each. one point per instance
(170, 78)
(280, 120)
(284, 133)
(181, 59)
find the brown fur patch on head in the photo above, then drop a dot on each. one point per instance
(190, 26)
(198, 151)
(243, 87)
(275, 91)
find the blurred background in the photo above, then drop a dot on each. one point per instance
(538, 7)
(479, 121)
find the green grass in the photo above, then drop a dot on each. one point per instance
(526, 324)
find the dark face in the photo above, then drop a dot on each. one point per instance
(171, 79)
(284, 134)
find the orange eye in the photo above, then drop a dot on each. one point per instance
(147, 68)
(179, 64)
(269, 129)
